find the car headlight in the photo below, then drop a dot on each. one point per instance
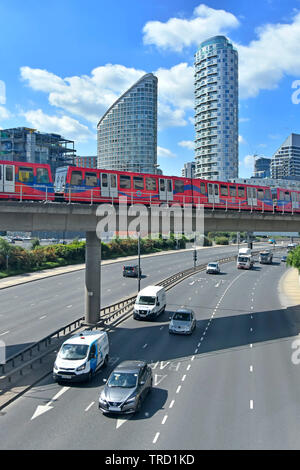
(55, 366)
(81, 367)
(130, 400)
(102, 399)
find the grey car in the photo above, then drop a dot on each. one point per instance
(182, 322)
(126, 388)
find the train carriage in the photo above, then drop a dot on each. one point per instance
(26, 181)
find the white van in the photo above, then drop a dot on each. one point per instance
(80, 356)
(150, 303)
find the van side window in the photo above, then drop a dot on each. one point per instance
(92, 351)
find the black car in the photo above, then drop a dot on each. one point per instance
(126, 388)
(131, 271)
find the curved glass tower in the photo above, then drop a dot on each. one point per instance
(127, 133)
(216, 110)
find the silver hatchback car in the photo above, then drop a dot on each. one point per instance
(126, 388)
(182, 322)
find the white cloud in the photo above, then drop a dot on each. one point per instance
(177, 33)
(189, 144)
(241, 140)
(89, 97)
(2, 92)
(63, 125)
(165, 153)
(267, 59)
(249, 161)
(85, 96)
(4, 113)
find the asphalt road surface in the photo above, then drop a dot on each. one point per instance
(32, 311)
(231, 385)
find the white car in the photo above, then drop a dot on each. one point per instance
(213, 268)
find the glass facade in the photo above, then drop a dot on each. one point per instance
(127, 133)
(216, 110)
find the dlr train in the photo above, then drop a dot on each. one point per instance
(34, 182)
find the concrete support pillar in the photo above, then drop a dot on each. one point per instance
(92, 278)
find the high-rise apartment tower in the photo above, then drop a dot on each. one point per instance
(216, 110)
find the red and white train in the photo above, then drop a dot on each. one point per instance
(32, 181)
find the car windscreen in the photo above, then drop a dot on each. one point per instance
(182, 316)
(122, 379)
(243, 259)
(129, 268)
(212, 265)
(73, 352)
(145, 300)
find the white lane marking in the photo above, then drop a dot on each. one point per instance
(42, 317)
(178, 389)
(5, 333)
(145, 345)
(89, 406)
(120, 422)
(188, 367)
(251, 368)
(155, 438)
(251, 345)
(164, 419)
(183, 378)
(172, 403)
(251, 405)
(192, 358)
(69, 306)
(158, 379)
(161, 327)
(43, 408)
(199, 343)
(196, 350)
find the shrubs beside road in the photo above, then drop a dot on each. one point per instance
(17, 260)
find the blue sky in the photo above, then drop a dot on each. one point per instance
(63, 63)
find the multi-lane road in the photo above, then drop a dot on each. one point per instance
(29, 312)
(231, 385)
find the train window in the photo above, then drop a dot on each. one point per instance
(241, 191)
(42, 175)
(91, 179)
(287, 196)
(104, 180)
(224, 190)
(294, 196)
(76, 177)
(232, 191)
(9, 173)
(125, 182)
(138, 182)
(281, 195)
(210, 189)
(150, 184)
(113, 181)
(178, 186)
(25, 174)
(268, 194)
(260, 194)
(169, 185)
(202, 188)
(162, 186)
